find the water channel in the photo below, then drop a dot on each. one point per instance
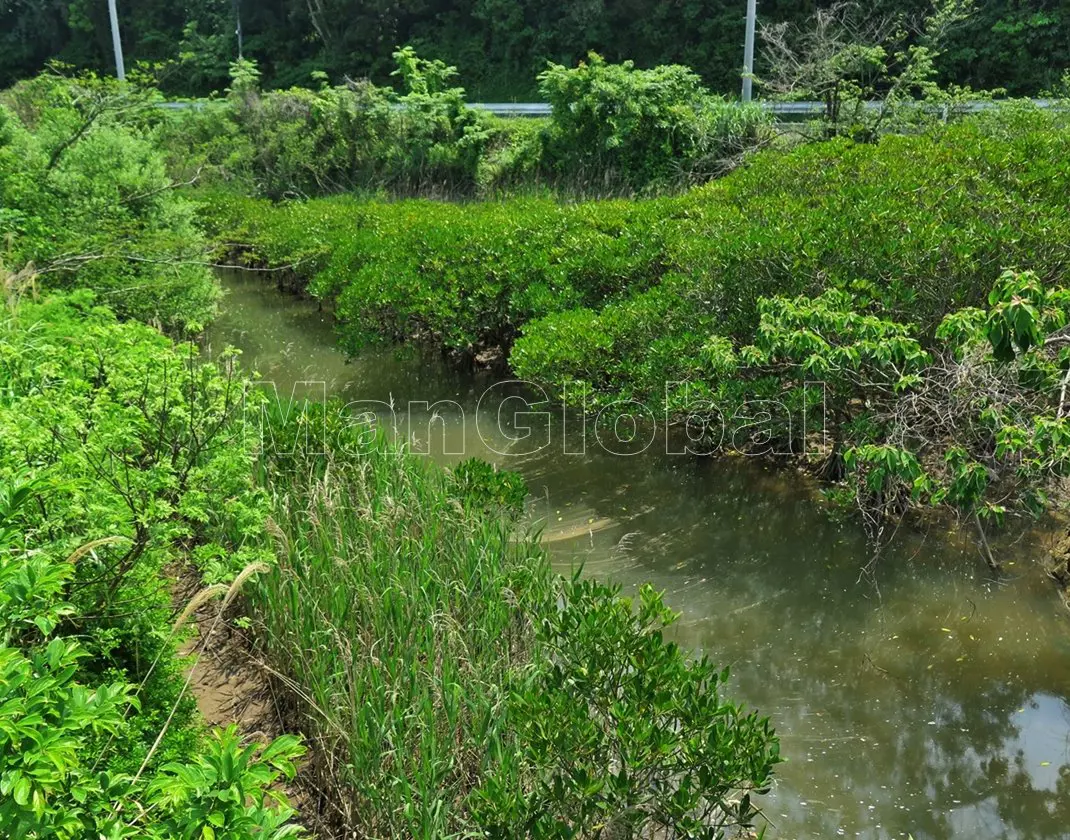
(914, 695)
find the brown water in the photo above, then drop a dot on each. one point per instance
(913, 694)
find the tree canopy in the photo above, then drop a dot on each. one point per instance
(500, 46)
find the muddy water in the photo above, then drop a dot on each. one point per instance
(913, 695)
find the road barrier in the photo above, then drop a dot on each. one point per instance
(542, 109)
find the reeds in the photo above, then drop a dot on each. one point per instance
(396, 616)
(450, 685)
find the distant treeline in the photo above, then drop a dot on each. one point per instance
(1020, 45)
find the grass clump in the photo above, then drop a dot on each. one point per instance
(454, 686)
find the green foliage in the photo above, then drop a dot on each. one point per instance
(512, 162)
(1021, 314)
(455, 686)
(500, 44)
(831, 338)
(45, 723)
(839, 340)
(976, 423)
(441, 138)
(642, 126)
(244, 77)
(52, 787)
(462, 277)
(846, 56)
(227, 792)
(353, 137)
(118, 450)
(927, 220)
(614, 129)
(204, 56)
(997, 47)
(84, 196)
(882, 468)
(480, 486)
(632, 750)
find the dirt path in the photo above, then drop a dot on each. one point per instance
(230, 686)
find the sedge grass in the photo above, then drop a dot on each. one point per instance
(452, 686)
(397, 616)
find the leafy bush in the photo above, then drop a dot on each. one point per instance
(461, 277)
(442, 139)
(85, 197)
(929, 220)
(977, 422)
(614, 130)
(847, 55)
(641, 126)
(634, 751)
(481, 486)
(118, 451)
(624, 295)
(307, 143)
(357, 136)
(50, 730)
(513, 162)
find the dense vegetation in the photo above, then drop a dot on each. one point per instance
(912, 263)
(931, 217)
(500, 44)
(88, 202)
(614, 129)
(452, 677)
(451, 684)
(740, 290)
(113, 462)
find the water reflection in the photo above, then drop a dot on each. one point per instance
(920, 697)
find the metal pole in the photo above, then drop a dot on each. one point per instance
(120, 70)
(748, 50)
(237, 18)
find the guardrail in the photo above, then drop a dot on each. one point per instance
(513, 109)
(542, 109)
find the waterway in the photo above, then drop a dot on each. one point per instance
(914, 695)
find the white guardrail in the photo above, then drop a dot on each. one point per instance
(542, 109)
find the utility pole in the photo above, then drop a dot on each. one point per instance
(748, 50)
(117, 45)
(237, 18)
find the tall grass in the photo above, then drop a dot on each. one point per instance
(451, 685)
(398, 615)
